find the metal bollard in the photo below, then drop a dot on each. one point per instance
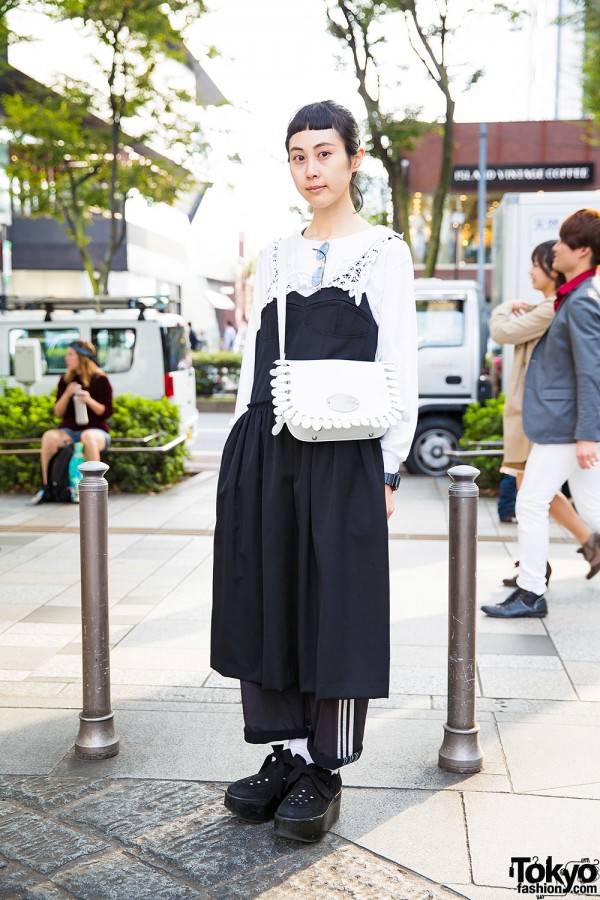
(461, 751)
(96, 738)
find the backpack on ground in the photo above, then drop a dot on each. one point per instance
(59, 489)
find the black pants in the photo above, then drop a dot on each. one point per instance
(334, 728)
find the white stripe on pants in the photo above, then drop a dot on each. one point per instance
(548, 467)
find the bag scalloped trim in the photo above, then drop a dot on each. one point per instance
(374, 426)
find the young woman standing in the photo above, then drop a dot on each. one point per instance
(516, 322)
(301, 573)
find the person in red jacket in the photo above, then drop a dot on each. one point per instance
(83, 404)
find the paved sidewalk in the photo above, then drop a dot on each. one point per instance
(150, 823)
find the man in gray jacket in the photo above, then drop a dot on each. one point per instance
(561, 415)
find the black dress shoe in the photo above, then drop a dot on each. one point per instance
(256, 797)
(521, 603)
(512, 582)
(311, 806)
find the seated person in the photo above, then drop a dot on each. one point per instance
(86, 382)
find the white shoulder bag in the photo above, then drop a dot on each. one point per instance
(331, 399)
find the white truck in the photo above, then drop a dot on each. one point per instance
(520, 223)
(452, 325)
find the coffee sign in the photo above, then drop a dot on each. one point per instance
(533, 176)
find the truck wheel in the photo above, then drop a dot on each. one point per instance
(433, 438)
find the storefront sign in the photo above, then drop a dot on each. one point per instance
(533, 176)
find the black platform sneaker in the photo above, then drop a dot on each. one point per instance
(256, 798)
(311, 806)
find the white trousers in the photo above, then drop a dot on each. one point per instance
(548, 467)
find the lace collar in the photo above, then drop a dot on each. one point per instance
(352, 277)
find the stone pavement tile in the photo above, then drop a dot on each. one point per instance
(161, 694)
(501, 826)
(418, 679)
(14, 674)
(12, 638)
(24, 657)
(403, 753)
(212, 847)
(553, 758)
(40, 843)
(200, 745)
(476, 892)
(29, 689)
(521, 627)
(519, 661)
(181, 634)
(165, 677)
(15, 612)
(579, 672)
(45, 793)
(129, 808)
(408, 655)
(589, 692)
(424, 631)
(14, 879)
(216, 680)
(18, 592)
(29, 578)
(118, 876)
(530, 683)
(162, 658)
(64, 615)
(33, 741)
(54, 631)
(402, 701)
(576, 642)
(515, 644)
(345, 872)
(421, 829)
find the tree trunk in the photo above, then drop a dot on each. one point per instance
(441, 190)
(400, 198)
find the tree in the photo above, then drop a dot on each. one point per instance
(591, 58)
(391, 136)
(429, 39)
(81, 149)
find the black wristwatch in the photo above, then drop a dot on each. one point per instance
(392, 479)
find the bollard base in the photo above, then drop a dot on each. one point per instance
(96, 738)
(461, 751)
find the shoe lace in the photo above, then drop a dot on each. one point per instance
(306, 775)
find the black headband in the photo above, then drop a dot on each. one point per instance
(82, 351)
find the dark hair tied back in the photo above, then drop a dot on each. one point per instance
(543, 256)
(320, 117)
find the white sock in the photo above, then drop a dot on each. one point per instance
(299, 746)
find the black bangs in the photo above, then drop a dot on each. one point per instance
(314, 117)
(324, 115)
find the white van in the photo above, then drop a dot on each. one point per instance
(142, 350)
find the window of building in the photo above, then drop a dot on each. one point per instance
(459, 235)
(114, 348)
(53, 341)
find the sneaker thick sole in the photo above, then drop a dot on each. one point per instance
(252, 810)
(309, 830)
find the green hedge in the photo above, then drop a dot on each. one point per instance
(483, 422)
(216, 371)
(24, 416)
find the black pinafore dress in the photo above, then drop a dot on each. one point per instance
(301, 570)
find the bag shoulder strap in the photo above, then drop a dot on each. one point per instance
(282, 254)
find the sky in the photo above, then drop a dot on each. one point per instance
(276, 55)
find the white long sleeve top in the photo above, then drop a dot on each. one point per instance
(374, 262)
